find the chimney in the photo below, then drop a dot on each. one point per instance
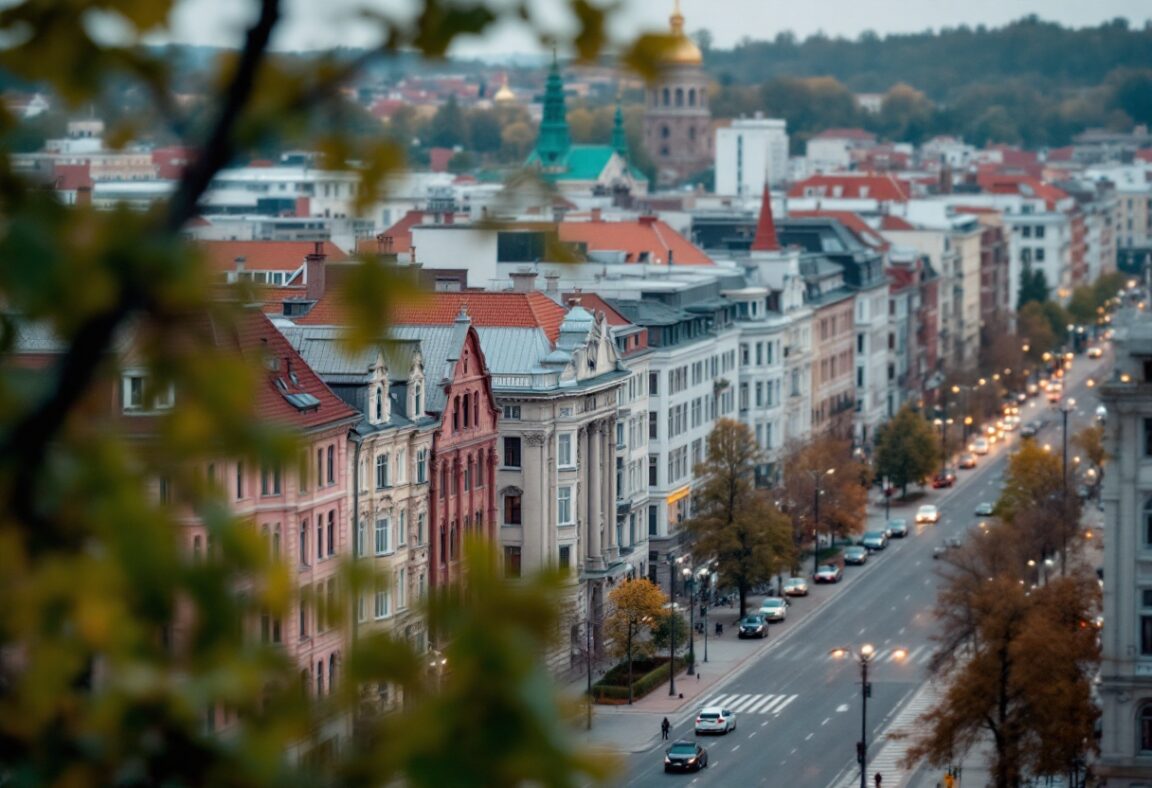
(647, 220)
(240, 263)
(523, 281)
(551, 283)
(314, 272)
(671, 262)
(596, 217)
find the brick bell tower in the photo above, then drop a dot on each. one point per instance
(677, 120)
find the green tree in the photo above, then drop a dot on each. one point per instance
(823, 465)
(1035, 330)
(1082, 305)
(1016, 664)
(905, 114)
(906, 449)
(484, 132)
(637, 606)
(1033, 286)
(447, 128)
(117, 641)
(735, 521)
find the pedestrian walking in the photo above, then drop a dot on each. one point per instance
(877, 778)
(664, 728)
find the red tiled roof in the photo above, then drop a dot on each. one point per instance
(890, 222)
(646, 235)
(869, 186)
(1061, 154)
(70, 177)
(975, 209)
(1144, 154)
(1026, 185)
(265, 255)
(258, 337)
(485, 308)
(594, 303)
(853, 222)
(846, 134)
(766, 239)
(400, 233)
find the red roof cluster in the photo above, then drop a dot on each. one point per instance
(853, 222)
(866, 186)
(266, 255)
(647, 239)
(1024, 185)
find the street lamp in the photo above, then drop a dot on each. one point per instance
(943, 424)
(816, 516)
(437, 664)
(704, 611)
(690, 593)
(672, 563)
(1065, 408)
(864, 656)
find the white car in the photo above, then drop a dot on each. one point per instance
(979, 446)
(713, 719)
(927, 514)
(774, 608)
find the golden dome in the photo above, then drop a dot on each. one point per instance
(682, 51)
(504, 94)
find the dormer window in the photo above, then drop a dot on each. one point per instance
(140, 396)
(380, 403)
(417, 400)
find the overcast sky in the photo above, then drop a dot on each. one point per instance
(312, 24)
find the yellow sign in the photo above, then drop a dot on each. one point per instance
(679, 495)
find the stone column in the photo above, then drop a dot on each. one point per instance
(537, 501)
(610, 492)
(593, 474)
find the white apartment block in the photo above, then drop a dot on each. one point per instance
(750, 154)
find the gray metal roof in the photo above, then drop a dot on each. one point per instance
(322, 349)
(441, 346)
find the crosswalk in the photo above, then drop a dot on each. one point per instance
(757, 703)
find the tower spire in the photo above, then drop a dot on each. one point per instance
(619, 138)
(766, 239)
(554, 139)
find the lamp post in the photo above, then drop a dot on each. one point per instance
(864, 656)
(816, 515)
(943, 425)
(704, 612)
(1065, 408)
(672, 563)
(690, 593)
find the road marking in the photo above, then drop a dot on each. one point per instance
(750, 735)
(901, 632)
(763, 723)
(754, 707)
(794, 749)
(825, 722)
(780, 708)
(738, 704)
(734, 749)
(809, 736)
(861, 632)
(843, 707)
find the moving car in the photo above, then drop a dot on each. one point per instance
(685, 756)
(898, 528)
(774, 608)
(828, 573)
(1101, 413)
(941, 480)
(713, 719)
(979, 446)
(951, 543)
(795, 586)
(927, 514)
(984, 509)
(753, 626)
(967, 460)
(1029, 430)
(856, 554)
(1095, 352)
(874, 540)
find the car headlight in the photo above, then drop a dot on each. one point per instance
(692, 759)
(667, 759)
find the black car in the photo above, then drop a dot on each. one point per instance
(1029, 430)
(898, 528)
(753, 627)
(685, 756)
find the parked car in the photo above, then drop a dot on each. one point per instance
(774, 608)
(874, 540)
(967, 460)
(927, 514)
(753, 626)
(828, 573)
(951, 543)
(984, 509)
(941, 480)
(979, 446)
(714, 719)
(898, 528)
(855, 554)
(795, 586)
(685, 756)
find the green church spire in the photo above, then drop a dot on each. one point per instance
(554, 140)
(619, 138)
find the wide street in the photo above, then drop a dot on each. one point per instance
(799, 708)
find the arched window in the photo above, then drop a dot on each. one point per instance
(1148, 523)
(679, 97)
(1144, 729)
(664, 132)
(455, 414)
(476, 410)
(692, 133)
(667, 97)
(379, 403)
(332, 673)
(417, 400)
(197, 547)
(319, 678)
(691, 97)
(467, 409)
(276, 542)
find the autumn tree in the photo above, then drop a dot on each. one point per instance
(736, 523)
(906, 449)
(637, 606)
(823, 465)
(1035, 500)
(1017, 663)
(1090, 442)
(117, 643)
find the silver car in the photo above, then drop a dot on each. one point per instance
(774, 608)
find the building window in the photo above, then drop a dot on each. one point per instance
(379, 403)
(420, 522)
(383, 602)
(331, 532)
(1144, 746)
(239, 480)
(565, 557)
(331, 464)
(1146, 622)
(402, 529)
(139, 398)
(511, 452)
(361, 536)
(512, 510)
(512, 412)
(319, 537)
(564, 505)
(564, 457)
(1148, 523)
(511, 561)
(653, 425)
(382, 473)
(304, 542)
(383, 535)
(401, 589)
(421, 466)
(417, 400)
